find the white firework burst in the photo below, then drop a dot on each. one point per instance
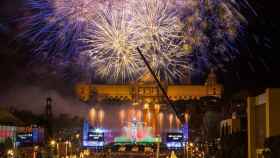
(112, 46)
(160, 35)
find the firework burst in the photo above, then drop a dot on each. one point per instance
(174, 35)
(56, 25)
(160, 35)
(112, 46)
(212, 29)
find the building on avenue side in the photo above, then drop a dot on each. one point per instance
(263, 120)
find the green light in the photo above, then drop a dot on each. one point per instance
(122, 139)
(146, 140)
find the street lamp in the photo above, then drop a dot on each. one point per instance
(191, 144)
(77, 136)
(52, 143)
(67, 143)
(35, 150)
(10, 153)
(86, 152)
(66, 148)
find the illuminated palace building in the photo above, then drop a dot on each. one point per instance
(144, 93)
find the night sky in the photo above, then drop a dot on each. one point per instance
(25, 84)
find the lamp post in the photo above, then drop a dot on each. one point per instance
(78, 143)
(66, 148)
(10, 153)
(57, 150)
(158, 141)
(35, 151)
(191, 145)
(52, 145)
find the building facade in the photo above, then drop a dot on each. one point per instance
(262, 116)
(146, 95)
(229, 126)
(145, 89)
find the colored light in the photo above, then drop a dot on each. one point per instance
(175, 145)
(53, 142)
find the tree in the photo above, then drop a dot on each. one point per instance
(211, 122)
(8, 143)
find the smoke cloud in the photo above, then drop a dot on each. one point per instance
(33, 98)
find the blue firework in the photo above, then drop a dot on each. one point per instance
(55, 26)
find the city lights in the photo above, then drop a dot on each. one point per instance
(11, 153)
(53, 143)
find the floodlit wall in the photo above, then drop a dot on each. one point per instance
(229, 126)
(263, 120)
(146, 88)
(122, 92)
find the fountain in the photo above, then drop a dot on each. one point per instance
(135, 132)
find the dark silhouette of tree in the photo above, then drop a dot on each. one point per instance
(273, 146)
(8, 143)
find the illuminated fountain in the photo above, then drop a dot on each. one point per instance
(135, 125)
(143, 125)
(136, 132)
